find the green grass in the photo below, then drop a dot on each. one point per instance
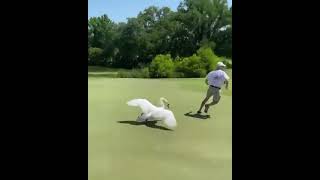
(199, 149)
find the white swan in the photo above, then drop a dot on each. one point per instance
(153, 113)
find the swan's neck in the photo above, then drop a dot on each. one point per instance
(162, 103)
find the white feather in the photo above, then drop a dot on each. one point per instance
(153, 113)
(144, 105)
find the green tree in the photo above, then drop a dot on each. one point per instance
(195, 24)
(204, 20)
(130, 44)
(101, 34)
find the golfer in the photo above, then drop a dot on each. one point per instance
(215, 80)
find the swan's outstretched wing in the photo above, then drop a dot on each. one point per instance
(144, 105)
(170, 120)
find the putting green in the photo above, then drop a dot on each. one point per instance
(199, 149)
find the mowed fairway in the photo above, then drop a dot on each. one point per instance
(199, 149)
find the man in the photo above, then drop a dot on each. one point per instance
(215, 80)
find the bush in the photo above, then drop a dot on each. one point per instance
(124, 74)
(227, 62)
(207, 44)
(95, 56)
(208, 58)
(145, 72)
(191, 67)
(161, 66)
(177, 75)
(134, 73)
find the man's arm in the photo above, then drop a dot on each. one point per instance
(227, 83)
(226, 80)
(206, 81)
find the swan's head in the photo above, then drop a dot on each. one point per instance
(164, 102)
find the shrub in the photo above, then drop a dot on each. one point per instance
(145, 72)
(161, 66)
(191, 67)
(227, 62)
(177, 74)
(208, 58)
(207, 44)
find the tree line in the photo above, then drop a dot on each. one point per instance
(156, 31)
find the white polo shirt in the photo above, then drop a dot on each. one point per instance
(217, 78)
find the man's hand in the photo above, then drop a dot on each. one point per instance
(227, 84)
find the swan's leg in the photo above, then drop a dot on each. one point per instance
(139, 118)
(143, 117)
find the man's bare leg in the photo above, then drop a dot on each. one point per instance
(202, 104)
(207, 106)
(215, 100)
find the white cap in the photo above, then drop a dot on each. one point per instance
(220, 64)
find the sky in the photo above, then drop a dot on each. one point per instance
(120, 10)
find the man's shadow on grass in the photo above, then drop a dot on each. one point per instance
(196, 115)
(150, 124)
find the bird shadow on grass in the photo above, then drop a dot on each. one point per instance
(150, 124)
(196, 115)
